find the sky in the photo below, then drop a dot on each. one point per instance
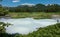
(30, 2)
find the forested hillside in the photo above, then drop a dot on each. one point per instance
(36, 8)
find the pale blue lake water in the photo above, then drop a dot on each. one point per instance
(26, 25)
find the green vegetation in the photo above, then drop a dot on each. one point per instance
(49, 31)
(38, 11)
(35, 15)
(36, 8)
(3, 30)
(2, 27)
(3, 11)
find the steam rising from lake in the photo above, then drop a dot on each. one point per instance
(26, 25)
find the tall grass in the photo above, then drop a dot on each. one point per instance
(36, 15)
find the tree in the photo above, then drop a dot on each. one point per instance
(3, 11)
(53, 8)
(2, 27)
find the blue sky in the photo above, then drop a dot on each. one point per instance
(19, 2)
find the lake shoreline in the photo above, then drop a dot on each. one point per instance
(27, 24)
(35, 15)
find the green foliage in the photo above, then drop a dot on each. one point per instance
(53, 8)
(35, 15)
(49, 31)
(2, 27)
(36, 8)
(3, 30)
(3, 12)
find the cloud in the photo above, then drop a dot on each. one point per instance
(15, 1)
(27, 4)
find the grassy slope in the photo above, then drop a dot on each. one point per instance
(50, 31)
(35, 15)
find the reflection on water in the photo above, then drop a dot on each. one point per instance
(26, 25)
